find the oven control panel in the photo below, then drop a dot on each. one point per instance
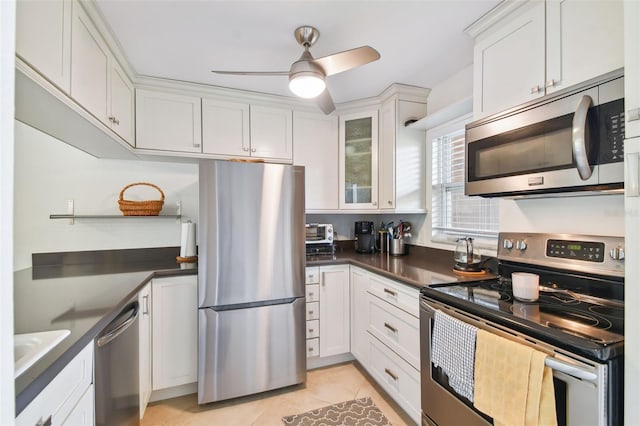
(588, 251)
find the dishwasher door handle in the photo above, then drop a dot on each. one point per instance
(117, 331)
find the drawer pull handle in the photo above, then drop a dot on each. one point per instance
(310, 312)
(310, 294)
(391, 374)
(390, 327)
(310, 349)
(46, 422)
(311, 330)
(391, 292)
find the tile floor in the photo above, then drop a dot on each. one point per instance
(325, 386)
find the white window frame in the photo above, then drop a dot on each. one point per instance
(445, 239)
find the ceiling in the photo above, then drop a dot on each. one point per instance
(421, 43)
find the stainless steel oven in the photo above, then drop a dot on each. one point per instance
(578, 322)
(569, 141)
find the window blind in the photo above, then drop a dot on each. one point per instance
(453, 213)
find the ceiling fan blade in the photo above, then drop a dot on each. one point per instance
(343, 61)
(258, 73)
(325, 102)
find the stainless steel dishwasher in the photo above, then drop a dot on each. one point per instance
(117, 384)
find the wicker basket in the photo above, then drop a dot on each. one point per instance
(140, 208)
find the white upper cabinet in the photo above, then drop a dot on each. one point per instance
(584, 40)
(315, 138)
(168, 121)
(632, 68)
(542, 47)
(402, 157)
(98, 82)
(225, 128)
(271, 132)
(358, 161)
(43, 38)
(89, 66)
(121, 103)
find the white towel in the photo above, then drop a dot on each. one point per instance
(453, 348)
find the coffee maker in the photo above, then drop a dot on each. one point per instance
(365, 237)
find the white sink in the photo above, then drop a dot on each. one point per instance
(28, 348)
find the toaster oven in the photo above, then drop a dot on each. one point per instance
(318, 233)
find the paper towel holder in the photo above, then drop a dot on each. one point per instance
(184, 242)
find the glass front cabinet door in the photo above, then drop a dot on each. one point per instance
(359, 161)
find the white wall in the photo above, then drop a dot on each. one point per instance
(455, 88)
(588, 215)
(7, 67)
(49, 172)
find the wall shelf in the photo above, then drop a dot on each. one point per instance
(72, 216)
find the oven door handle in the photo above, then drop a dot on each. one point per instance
(553, 363)
(570, 370)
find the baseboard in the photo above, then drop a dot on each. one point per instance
(160, 394)
(319, 362)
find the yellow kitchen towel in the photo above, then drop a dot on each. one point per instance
(511, 384)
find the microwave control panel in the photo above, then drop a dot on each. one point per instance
(611, 117)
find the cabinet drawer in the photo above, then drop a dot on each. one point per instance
(313, 347)
(313, 293)
(313, 329)
(312, 275)
(313, 311)
(63, 393)
(399, 295)
(396, 329)
(397, 377)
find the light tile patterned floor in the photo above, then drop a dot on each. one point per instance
(324, 387)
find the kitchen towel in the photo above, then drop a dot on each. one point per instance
(188, 240)
(512, 384)
(453, 349)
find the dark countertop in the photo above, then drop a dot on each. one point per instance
(419, 267)
(84, 291)
(82, 298)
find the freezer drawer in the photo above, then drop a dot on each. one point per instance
(250, 350)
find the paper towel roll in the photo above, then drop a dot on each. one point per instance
(188, 240)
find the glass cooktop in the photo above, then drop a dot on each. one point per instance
(566, 319)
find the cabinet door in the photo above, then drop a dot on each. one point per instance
(225, 128)
(334, 310)
(387, 149)
(84, 412)
(43, 38)
(509, 63)
(121, 108)
(410, 179)
(584, 40)
(175, 331)
(359, 161)
(144, 299)
(168, 121)
(89, 66)
(315, 139)
(632, 68)
(359, 315)
(271, 133)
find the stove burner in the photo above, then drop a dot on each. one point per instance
(608, 311)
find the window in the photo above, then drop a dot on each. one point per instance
(453, 214)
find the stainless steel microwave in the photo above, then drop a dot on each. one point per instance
(566, 142)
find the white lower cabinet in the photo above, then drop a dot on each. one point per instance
(396, 376)
(359, 314)
(334, 310)
(144, 299)
(69, 396)
(175, 331)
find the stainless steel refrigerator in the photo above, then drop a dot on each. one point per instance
(251, 255)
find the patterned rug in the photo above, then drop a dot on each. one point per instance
(357, 412)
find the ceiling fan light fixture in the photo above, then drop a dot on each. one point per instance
(307, 84)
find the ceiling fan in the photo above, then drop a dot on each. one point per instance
(307, 75)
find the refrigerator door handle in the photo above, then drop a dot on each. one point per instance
(254, 304)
